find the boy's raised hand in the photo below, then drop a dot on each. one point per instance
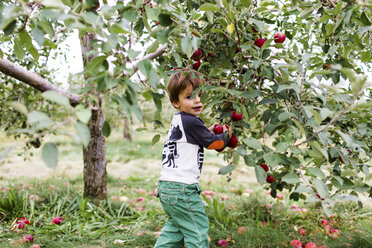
(211, 128)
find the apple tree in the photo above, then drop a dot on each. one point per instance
(297, 73)
(111, 40)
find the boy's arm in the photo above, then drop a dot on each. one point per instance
(197, 133)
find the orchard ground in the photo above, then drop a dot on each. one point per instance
(240, 211)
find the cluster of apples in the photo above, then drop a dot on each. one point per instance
(269, 178)
(196, 57)
(278, 38)
(233, 142)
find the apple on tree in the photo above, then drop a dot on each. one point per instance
(233, 142)
(259, 42)
(196, 65)
(218, 129)
(265, 167)
(279, 38)
(236, 117)
(270, 179)
(197, 55)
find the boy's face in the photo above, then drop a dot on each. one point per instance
(186, 103)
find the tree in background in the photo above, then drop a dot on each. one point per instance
(295, 70)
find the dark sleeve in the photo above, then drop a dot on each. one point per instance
(197, 133)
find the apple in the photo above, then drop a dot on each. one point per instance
(196, 65)
(218, 129)
(296, 243)
(28, 238)
(57, 220)
(233, 142)
(310, 245)
(265, 167)
(197, 55)
(236, 117)
(259, 42)
(242, 230)
(270, 179)
(222, 243)
(279, 38)
(302, 232)
(254, 30)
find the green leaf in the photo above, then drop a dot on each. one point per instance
(56, 97)
(18, 107)
(252, 142)
(249, 161)
(155, 139)
(187, 47)
(165, 20)
(260, 174)
(268, 101)
(36, 116)
(321, 188)
(83, 133)
(226, 169)
(287, 87)
(94, 65)
(348, 173)
(209, 7)
(145, 67)
(303, 189)
(316, 172)
(246, 3)
(49, 154)
(325, 113)
(18, 49)
(84, 115)
(106, 129)
(305, 13)
(38, 35)
(259, 24)
(291, 178)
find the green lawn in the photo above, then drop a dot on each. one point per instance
(132, 215)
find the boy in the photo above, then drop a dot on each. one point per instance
(182, 164)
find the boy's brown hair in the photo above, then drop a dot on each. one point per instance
(180, 80)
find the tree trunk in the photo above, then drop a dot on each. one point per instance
(127, 133)
(95, 158)
(95, 153)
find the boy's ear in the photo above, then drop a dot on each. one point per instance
(175, 105)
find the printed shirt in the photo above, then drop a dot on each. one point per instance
(183, 152)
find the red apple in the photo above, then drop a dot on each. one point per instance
(28, 238)
(197, 55)
(265, 167)
(279, 38)
(57, 220)
(233, 142)
(259, 42)
(270, 179)
(196, 65)
(218, 129)
(175, 68)
(254, 30)
(236, 117)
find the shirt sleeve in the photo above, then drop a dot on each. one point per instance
(197, 133)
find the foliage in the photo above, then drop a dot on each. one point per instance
(305, 102)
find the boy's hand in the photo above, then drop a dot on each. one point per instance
(211, 128)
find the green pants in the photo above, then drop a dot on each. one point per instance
(188, 223)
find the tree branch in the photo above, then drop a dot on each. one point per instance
(34, 80)
(153, 55)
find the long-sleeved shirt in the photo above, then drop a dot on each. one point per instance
(183, 152)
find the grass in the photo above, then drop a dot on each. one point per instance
(127, 220)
